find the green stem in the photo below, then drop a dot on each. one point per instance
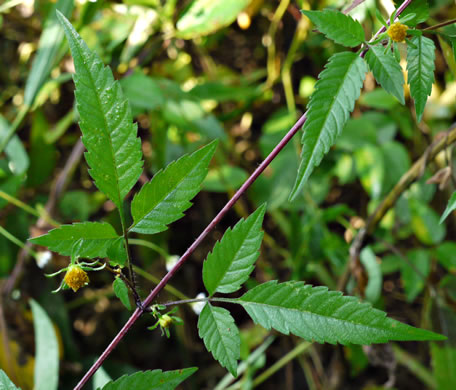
(43, 214)
(415, 367)
(150, 245)
(228, 378)
(19, 203)
(13, 128)
(298, 37)
(296, 351)
(18, 242)
(146, 275)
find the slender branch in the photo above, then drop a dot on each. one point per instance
(443, 24)
(139, 311)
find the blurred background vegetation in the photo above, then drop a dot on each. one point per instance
(241, 71)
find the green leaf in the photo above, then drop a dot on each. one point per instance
(443, 363)
(231, 262)
(116, 252)
(415, 272)
(151, 380)
(387, 71)
(420, 68)
(96, 238)
(341, 28)
(425, 223)
(100, 378)
(329, 108)
(204, 17)
(451, 206)
(374, 273)
(46, 375)
(5, 382)
(14, 150)
(445, 255)
(314, 313)
(164, 199)
(113, 149)
(121, 291)
(48, 50)
(221, 336)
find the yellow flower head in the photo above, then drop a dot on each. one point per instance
(397, 32)
(76, 277)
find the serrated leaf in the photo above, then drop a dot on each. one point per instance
(329, 108)
(113, 149)
(451, 206)
(341, 28)
(420, 68)
(220, 335)
(46, 375)
(387, 71)
(121, 291)
(164, 199)
(6, 383)
(151, 380)
(96, 238)
(231, 262)
(314, 313)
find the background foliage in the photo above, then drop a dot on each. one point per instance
(240, 71)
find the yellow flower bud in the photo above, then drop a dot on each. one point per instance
(165, 321)
(397, 32)
(76, 277)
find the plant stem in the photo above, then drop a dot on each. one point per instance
(150, 245)
(447, 23)
(296, 351)
(414, 366)
(154, 279)
(16, 241)
(139, 311)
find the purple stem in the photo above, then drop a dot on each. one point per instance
(138, 312)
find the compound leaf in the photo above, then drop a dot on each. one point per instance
(420, 68)
(148, 380)
(113, 148)
(387, 71)
(164, 199)
(341, 28)
(231, 262)
(329, 109)
(314, 313)
(220, 335)
(94, 239)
